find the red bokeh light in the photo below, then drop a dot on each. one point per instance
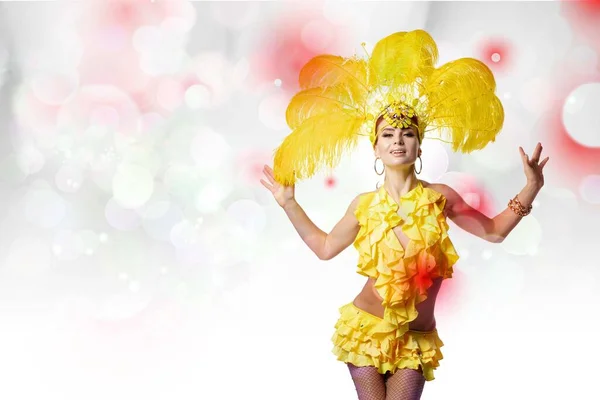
(449, 298)
(330, 182)
(471, 191)
(250, 165)
(570, 160)
(496, 53)
(283, 53)
(584, 19)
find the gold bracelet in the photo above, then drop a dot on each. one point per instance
(518, 208)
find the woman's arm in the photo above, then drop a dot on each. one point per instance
(493, 230)
(325, 246)
(497, 229)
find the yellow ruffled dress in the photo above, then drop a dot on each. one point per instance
(402, 277)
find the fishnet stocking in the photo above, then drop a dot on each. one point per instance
(369, 383)
(405, 384)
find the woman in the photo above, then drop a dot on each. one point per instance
(387, 335)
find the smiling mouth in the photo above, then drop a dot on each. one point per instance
(398, 152)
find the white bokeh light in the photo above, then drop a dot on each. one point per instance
(143, 157)
(44, 207)
(100, 105)
(160, 218)
(435, 160)
(583, 59)
(525, 238)
(271, 111)
(210, 151)
(211, 194)
(91, 242)
(185, 233)
(67, 245)
(249, 215)
(121, 218)
(132, 185)
(69, 178)
(180, 180)
(170, 94)
(580, 114)
(590, 189)
(215, 71)
(102, 170)
(30, 160)
(188, 237)
(197, 96)
(536, 95)
(54, 88)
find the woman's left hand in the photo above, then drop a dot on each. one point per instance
(533, 167)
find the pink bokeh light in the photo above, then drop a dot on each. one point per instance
(584, 19)
(496, 53)
(330, 182)
(451, 294)
(291, 43)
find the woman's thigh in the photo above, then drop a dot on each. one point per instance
(405, 384)
(369, 383)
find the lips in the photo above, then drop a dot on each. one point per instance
(398, 152)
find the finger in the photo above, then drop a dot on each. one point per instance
(265, 184)
(268, 177)
(523, 155)
(544, 163)
(269, 172)
(537, 152)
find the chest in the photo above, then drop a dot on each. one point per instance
(398, 229)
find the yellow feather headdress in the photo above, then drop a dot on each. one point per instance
(342, 98)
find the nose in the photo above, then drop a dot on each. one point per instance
(399, 139)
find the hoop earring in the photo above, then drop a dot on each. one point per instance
(375, 167)
(420, 169)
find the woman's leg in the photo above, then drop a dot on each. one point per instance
(405, 384)
(368, 381)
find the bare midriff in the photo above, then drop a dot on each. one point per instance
(370, 301)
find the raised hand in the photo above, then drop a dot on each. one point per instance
(533, 167)
(284, 195)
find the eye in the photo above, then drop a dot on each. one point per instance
(387, 134)
(410, 134)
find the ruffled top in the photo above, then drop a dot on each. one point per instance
(402, 276)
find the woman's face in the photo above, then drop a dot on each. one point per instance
(396, 146)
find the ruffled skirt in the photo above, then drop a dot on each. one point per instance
(363, 339)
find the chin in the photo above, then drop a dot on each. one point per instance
(399, 164)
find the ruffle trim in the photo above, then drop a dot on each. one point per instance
(402, 276)
(362, 340)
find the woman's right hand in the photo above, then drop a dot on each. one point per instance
(284, 195)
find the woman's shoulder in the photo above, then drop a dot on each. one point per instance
(441, 188)
(449, 195)
(360, 200)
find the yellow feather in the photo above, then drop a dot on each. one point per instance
(402, 57)
(461, 102)
(318, 142)
(340, 99)
(327, 70)
(316, 101)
